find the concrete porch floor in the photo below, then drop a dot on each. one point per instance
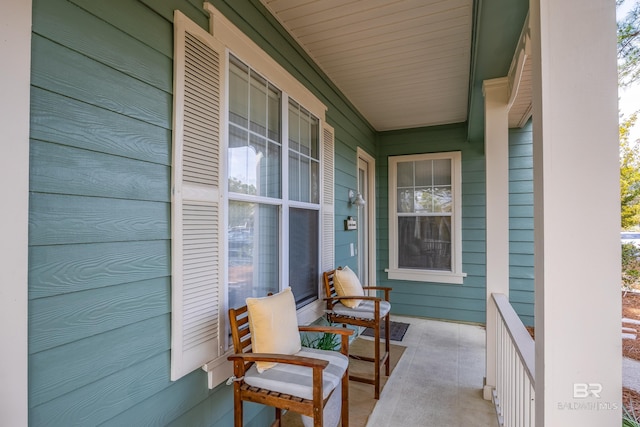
(438, 381)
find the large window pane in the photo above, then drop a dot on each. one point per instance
(273, 114)
(424, 242)
(405, 174)
(258, 104)
(255, 171)
(424, 186)
(304, 152)
(254, 163)
(253, 242)
(303, 255)
(238, 93)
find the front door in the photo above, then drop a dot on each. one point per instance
(366, 219)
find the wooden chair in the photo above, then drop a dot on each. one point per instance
(369, 314)
(276, 389)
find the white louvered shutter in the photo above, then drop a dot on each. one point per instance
(196, 203)
(328, 224)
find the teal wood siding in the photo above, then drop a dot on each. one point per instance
(99, 222)
(521, 284)
(442, 301)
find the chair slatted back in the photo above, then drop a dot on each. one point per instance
(329, 287)
(240, 332)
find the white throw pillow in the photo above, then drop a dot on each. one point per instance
(347, 284)
(274, 325)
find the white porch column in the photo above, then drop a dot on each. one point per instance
(496, 140)
(15, 51)
(577, 213)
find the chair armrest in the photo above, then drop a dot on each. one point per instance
(309, 362)
(328, 329)
(380, 288)
(361, 297)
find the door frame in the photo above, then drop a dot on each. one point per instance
(370, 211)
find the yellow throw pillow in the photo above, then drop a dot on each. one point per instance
(347, 284)
(274, 325)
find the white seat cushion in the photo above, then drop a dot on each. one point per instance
(332, 411)
(364, 310)
(298, 380)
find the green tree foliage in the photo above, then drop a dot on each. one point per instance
(629, 175)
(629, 44)
(628, 74)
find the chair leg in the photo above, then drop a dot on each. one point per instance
(278, 421)
(345, 399)
(387, 344)
(376, 362)
(237, 406)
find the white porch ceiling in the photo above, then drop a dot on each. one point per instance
(401, 63)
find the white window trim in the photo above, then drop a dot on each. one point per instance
(455, 276)
(313, 310)
(223, 31)
(247, 51)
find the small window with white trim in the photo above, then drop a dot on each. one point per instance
(424, 218)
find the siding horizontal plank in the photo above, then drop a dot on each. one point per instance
(96, 84)
(525, 284)
(518, 223)
(165, 9)
(474, 258)
(62, 269)
(473, 281)
(67, 318)
(521, 247)
(473, 239)
(58, 219)
(436, 290)
(522, 260)
(135, 19)
(521, 235)
(521, 175)
(103, 399)
(522, 272)
(473, 223)
(521, 186)
(521, 211)
(57, 118)
(63, 369)
(215, 412)
(521, 162)
(75, 28)
(445, 313)
(68, 170)
(180, 398)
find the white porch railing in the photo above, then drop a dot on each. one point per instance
(514, 394)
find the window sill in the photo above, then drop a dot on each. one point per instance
(310, 312)
(426, 276)
(218, 370)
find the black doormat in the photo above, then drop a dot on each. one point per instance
(398, 329)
